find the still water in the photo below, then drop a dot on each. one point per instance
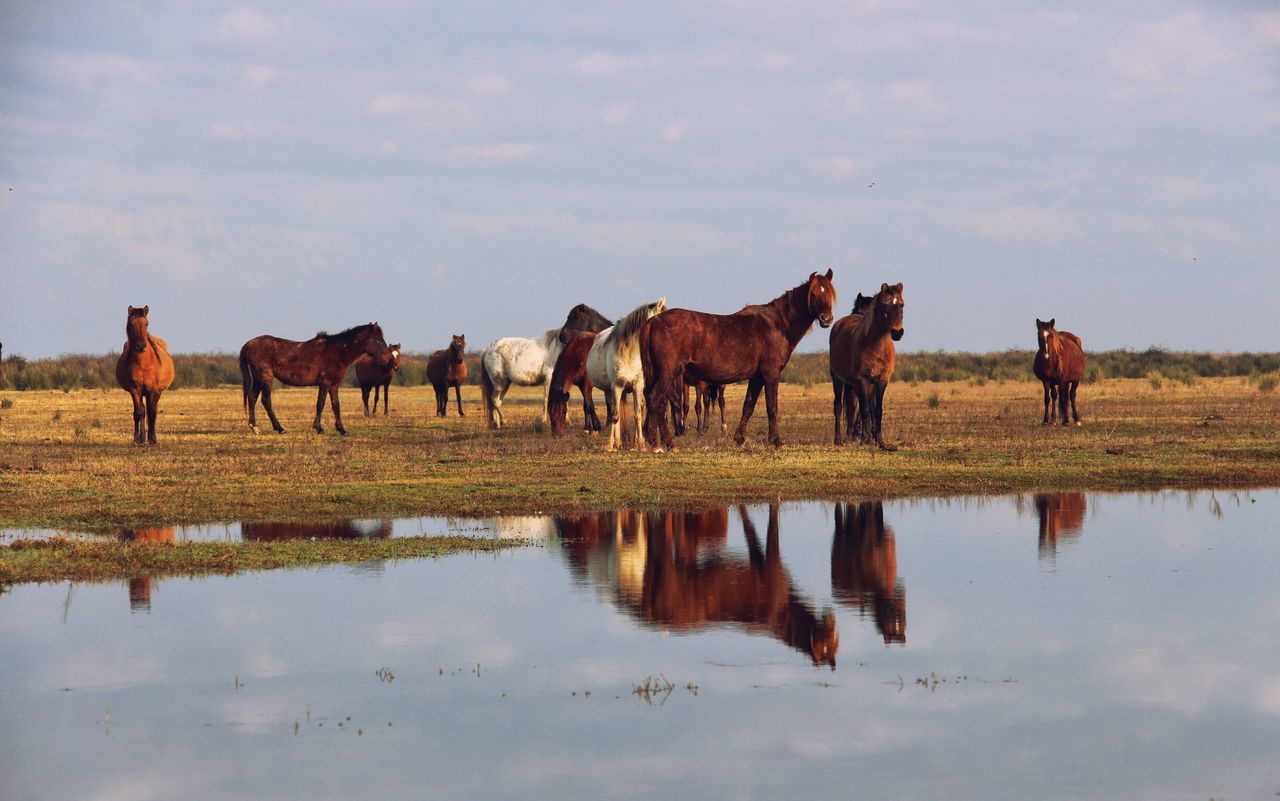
(1048, 646)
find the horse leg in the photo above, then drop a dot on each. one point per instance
(337, 412)
(771, 407)
(724, 429)
(139, 411)
(852, 421)
(153, 406)
(1064, 398)
(638, 409)
(319, 408)
(386, 399)
(254, 391)
(457, 391)
(611, 413)
(837, 404)
(1045, 422)
(1075, 414)
(748, 406)
(364, 395)
(863, 392)
(271, 412)
(499, 394)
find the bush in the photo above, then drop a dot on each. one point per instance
(1267, 383)
(1155, 379)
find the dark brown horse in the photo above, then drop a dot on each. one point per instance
(445, 369)
(864, 568)
(320, 361)
(862, 361)
(571, 371)
(752, 345)
(1059, 364)
(705, 396)
(144, 370)
(376, 374)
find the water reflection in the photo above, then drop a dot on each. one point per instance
(672, 571)
(864, 568)
(1061, 515)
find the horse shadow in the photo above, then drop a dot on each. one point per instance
(1061, 515)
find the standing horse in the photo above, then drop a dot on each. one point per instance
(376, 374)
(529, 362)
(706, 395)
(144, 370)
(864, 568)
(571, 371)
(320, 361)
(1059, 364)
(752, 345)
(445, 369)
(862, 360)
(613, 364)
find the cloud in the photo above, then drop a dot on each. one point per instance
(1178, 189)
(917, 97)
(94, 71)
(1179, 46)
(259, 76)
(843, 96)
(430, 112)
(235, 130)
(618, 113)
(488, 84)
(836, 166)
(501, 151)
(1023, 225)
(248, 25)
(598, 65)
(162, 239)
(674, 131)
(774, 61)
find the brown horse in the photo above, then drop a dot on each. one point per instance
(376, 374)
(445, 369)
(571, 371)
(862, 361)
(864, 568)
(1059, 364)
(320, 361)
(706, 395)
(752, 345)
(144, 370)
(1061, 515)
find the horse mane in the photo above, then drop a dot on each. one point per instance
(551, 336)
(344, 336)
(629, 327)
(779, 303)
(866, 320)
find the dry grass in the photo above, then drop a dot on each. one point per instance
(66, 460)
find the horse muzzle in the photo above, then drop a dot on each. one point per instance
(897, 333)
(139, 347)
(825, 320)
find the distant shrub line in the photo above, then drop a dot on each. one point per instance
(79, 371)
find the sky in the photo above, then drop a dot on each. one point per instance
(481, 167)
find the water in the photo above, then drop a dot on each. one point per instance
(1060, 646)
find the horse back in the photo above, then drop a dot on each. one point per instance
(1072, 357)
(719, 348)
(369, 372)
(851, 357)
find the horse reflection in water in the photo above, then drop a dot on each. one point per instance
(325, 530)
(864, 568)
(140, 586)
(1061, 515)
(671, 571)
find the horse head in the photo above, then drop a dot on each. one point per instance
(392, 357)
(824, 640)
(374, 345)
(135, 328)
(582, 318)
(1047, 337)
(888, 309)
(458, 348)
(862, 303)
(822, 298)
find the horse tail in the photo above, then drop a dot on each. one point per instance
(246, 380)
(486, 389)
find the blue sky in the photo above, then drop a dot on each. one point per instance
(479, 168)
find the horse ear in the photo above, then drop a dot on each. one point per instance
(884, 287)
(813, 275)
(898, 288)
(830, 273)
(1052, 321)
(131, 311)
(145, 309)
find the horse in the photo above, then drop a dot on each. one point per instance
(706, 395)
(376, 374)
(613, 364)
(864, 568)
(1059, 364)
(751, 345)
(144, 370)
(862, 361)
(320, 361)
(571, 371)
(529, 362)
(445, 369)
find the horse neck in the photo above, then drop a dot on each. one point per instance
(351, 349)
(791, 311)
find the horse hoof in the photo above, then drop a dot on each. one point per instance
(254, 429)
(659, 449)
(342, 431)
(1079, 423)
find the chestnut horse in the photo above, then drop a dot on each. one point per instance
(320, 361)
(752, 345)
(862, 361)
(445, 369)
(1059, 364)
(144, 370)
(529, 362)
(376, 374)
(571, 371)
(864, 568)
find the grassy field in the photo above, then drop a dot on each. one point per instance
(66, 460)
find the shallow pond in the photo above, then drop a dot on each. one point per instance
(1049, 646)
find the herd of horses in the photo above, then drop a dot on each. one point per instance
(653, 356)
